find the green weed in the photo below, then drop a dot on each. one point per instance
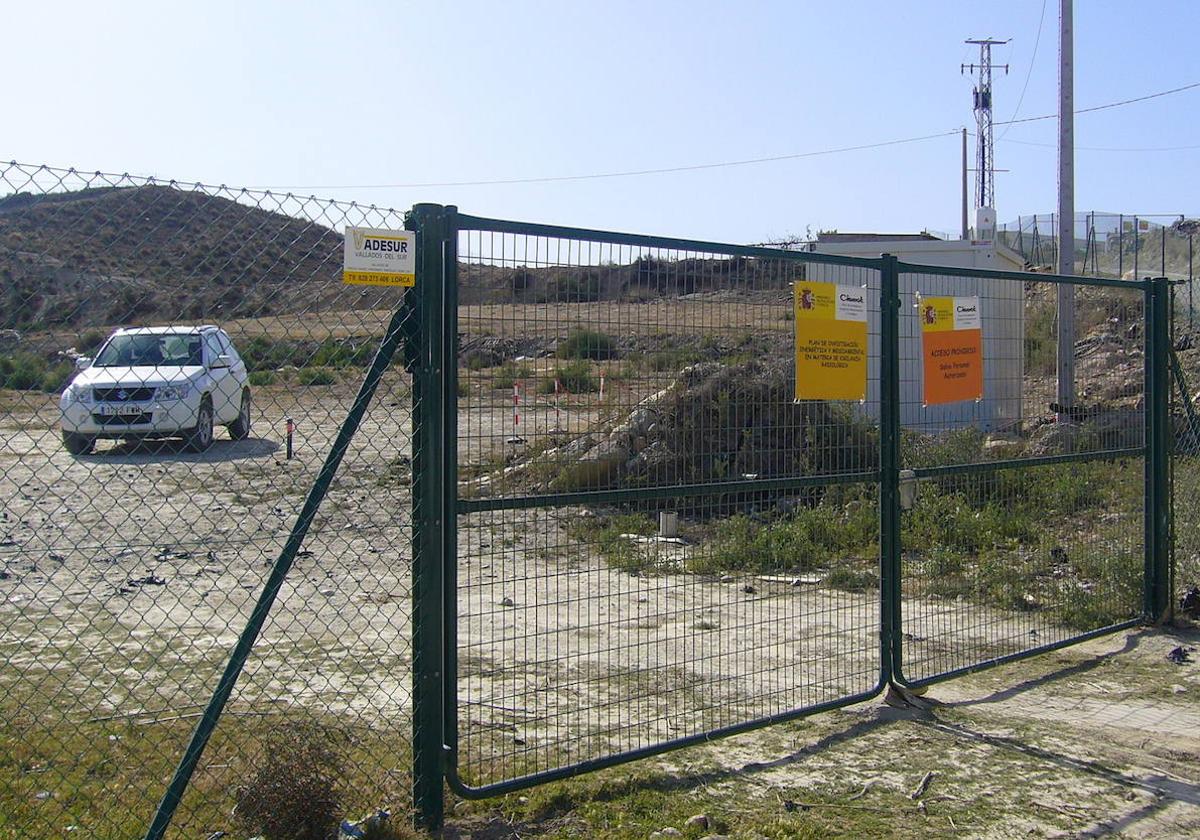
(587, 344)
(316, 376)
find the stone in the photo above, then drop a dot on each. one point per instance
(1053, 439)
(697, 821)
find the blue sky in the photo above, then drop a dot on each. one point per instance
(328, 100)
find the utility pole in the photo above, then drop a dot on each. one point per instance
(985, 175)
(1066, 205)
(966, 230)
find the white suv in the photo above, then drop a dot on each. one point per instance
(158, 382)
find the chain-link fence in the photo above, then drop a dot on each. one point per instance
(1126, 246)
(134, 542)
(578, 518)
(1185, 465)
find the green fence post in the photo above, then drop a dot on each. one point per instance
(449, 488)
(1158, 500)
(891, 634)
(427, 515)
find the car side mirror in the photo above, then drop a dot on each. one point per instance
(83, 362)
(221, 361)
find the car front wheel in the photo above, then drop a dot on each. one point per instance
(239, 429)
(200, 438)
(78, 444)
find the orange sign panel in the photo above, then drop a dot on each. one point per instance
(952, 347)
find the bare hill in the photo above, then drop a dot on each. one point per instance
(158, 253)
(100, 257)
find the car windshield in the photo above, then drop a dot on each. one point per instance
(153, 349)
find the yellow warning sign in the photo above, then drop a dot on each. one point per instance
(374, 257)
(831, 341)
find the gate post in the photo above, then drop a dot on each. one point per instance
(1158, 600)
(426, 364)
(891, 634)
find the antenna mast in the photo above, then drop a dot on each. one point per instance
(985, 163)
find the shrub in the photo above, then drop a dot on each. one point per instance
(90, 341)
(808, 539)
(293, 793)
(262, 377)
(263, 353)
(1041, 339)
(510, 373)
(575, 377)
(30, 372)
(316, 376)
(587, 344)
(605, 533)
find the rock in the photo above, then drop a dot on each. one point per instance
(669, 832)
(327, 592)
(1053, 439)
(147, 580)
(1001, 446)
(1190, 602)
(507, 602)
(1180, 655)
(697, 821)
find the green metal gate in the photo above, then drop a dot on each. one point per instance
(619, 442)
(1027, 535)
(646, 543)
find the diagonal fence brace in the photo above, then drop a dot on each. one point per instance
(398, 329)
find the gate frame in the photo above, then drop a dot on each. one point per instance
(1156, 508)
(435, 559)
(435, 397)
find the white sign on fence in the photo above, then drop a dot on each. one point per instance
(373, 257)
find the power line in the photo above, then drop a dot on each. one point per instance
(1109, 105)
(1108, 148)
(1028, 74)
(626, 174)
(722, 164)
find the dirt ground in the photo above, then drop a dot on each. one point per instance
(129, 573)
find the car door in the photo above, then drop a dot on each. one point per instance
(236, 366)
(225, 391)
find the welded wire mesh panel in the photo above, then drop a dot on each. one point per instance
(656, 541)
(134, 540)
(1026, 528)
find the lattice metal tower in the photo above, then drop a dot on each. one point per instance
(985, 164)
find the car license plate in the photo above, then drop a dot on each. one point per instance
(118, 410)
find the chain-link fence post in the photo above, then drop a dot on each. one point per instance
(428, 221)
(1158, 502)
(889, 466)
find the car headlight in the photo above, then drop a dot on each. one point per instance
(174, 392)
(79, 393)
